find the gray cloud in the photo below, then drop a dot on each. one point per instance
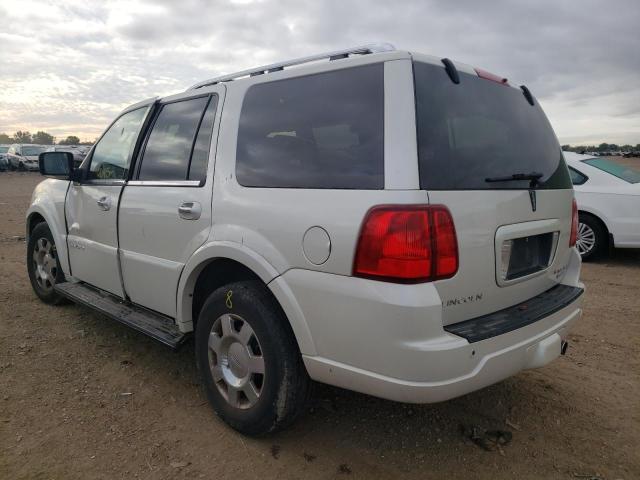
(73, 65)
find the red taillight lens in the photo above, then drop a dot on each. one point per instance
(407, 244)
(574, 224)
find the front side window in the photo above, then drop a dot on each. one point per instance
(171, 142)
(112, 154)
(318, 131)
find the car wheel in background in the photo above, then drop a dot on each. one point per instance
(42, 264)
(592, 237)
(249, 360)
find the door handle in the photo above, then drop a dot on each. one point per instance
(190, 210)
(104, 203)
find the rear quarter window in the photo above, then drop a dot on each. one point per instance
(317, 131)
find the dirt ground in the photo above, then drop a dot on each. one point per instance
(84, 397)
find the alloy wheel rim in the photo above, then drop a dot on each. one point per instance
(236, 361)
(45, 263)
(586, 239)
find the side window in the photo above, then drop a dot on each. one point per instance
(577, 178)
(318, 131)
(112, 154)
(171, 141)
(200, 155)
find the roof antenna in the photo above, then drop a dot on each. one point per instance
(452, 71)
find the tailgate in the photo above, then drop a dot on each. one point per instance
(485, 222)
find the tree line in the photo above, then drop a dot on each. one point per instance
(603, 147)
(40, 138)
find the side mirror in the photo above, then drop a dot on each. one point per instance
(56, 164)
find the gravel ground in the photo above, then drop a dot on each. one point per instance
(84, 397)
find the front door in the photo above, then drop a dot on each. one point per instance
(92, 204)
(165, 210)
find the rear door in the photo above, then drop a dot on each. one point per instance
(513, 234)
(92, 204)
(165, 210)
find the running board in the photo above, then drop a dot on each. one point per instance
(155, 325)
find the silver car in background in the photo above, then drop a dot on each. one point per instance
(24, 156)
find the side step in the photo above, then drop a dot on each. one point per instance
(156, 325)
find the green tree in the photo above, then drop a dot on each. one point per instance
(4, 138)
(42, 138)
(22, 137)
(566, 148)
(70, 140)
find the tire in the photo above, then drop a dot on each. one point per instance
(21, 167)
(228, 358)
(592, 239)
(42, 264)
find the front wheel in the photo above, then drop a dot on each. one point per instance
(249, 360)
(592, 237)
(42, 264)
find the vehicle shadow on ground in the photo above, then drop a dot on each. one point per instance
(625, 257)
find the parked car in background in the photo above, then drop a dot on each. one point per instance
(24, 156)
(608, 196)
(78, 152)
(4, 163)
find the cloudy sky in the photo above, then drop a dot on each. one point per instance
(67, 66)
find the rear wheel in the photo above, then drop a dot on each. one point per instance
(592, 237)
(42, 264)
(249, 360)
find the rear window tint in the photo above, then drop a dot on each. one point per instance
(319, 131)
(479, 129)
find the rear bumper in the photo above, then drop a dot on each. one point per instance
(488, 361)
(388, 340)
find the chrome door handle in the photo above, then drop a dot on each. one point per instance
(190, 210)
(104, 203)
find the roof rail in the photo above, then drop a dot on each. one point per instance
(275, 67)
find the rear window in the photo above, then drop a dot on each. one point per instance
(479, 129)
(626, 173)
(318, 131)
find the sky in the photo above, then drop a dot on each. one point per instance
(68, 67)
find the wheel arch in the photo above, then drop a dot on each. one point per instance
(219, 263)
(37, 215)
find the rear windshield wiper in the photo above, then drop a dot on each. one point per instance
(533, 177)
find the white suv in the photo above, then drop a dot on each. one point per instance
(379, 220)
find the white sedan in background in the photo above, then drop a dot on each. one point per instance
(608, 197)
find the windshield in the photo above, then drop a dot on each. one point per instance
(478, 130)
(4, 149)
(626, 173)
(32, 151)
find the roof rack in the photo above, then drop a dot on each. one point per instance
(275, 67)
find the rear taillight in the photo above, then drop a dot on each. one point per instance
(574, 224)
(407, 244)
